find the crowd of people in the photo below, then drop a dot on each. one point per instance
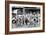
(24, 19)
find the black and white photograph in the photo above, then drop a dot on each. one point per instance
(25, 17)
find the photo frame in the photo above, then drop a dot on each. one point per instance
(24, 17)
